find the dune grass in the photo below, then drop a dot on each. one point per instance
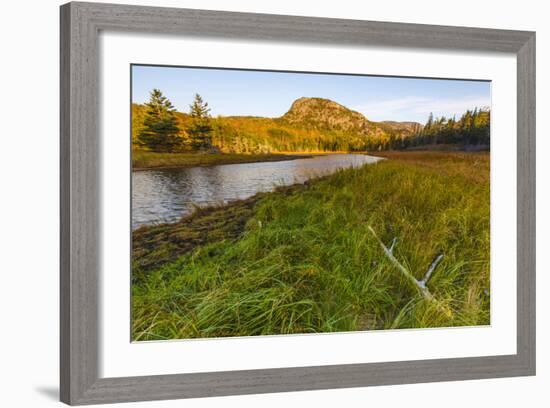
(303, 260)
(143, 159)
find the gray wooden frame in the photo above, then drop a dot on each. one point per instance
(80, 191)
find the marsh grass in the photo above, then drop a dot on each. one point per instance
(143, 159)
(303, 261)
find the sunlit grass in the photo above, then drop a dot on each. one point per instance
(303, 260)
(144, 159)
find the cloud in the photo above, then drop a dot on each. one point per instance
(418, 108)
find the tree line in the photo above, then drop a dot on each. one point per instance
(161, 128)
(473, 128)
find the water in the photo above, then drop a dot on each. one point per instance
(167, 195)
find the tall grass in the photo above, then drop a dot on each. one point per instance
(144, 159)
(307, 263)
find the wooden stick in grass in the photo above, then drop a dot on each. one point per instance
(430, 270)
(420, 285)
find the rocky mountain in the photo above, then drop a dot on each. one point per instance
(324, 114)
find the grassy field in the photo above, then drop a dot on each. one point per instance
(303, 260)
(142, 159)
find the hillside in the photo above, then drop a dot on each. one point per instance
(310, 125)
(403, 128)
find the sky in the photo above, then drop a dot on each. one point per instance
(270, 94)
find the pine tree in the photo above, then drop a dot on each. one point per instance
(200, 129)
(473, 127)
(160, 132)
(429, 123)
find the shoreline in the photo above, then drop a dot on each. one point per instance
(398, 155)
(187, 160)
(198, 228)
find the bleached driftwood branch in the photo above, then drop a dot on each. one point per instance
(394, 241)
(420, 284)
(430, 270)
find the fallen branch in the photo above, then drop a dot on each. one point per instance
(420, 284)
(392, 244)
(430, 270)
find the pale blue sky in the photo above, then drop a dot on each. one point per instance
(270, 94)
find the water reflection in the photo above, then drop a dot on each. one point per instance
(167, 195)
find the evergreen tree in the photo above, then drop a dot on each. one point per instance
(473, 128)
(200, 128)
(160, 132)
(429, 123)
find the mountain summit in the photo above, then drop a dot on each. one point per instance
(324, 114)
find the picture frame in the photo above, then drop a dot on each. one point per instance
(80, 236)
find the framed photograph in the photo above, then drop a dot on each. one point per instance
(262, 203)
